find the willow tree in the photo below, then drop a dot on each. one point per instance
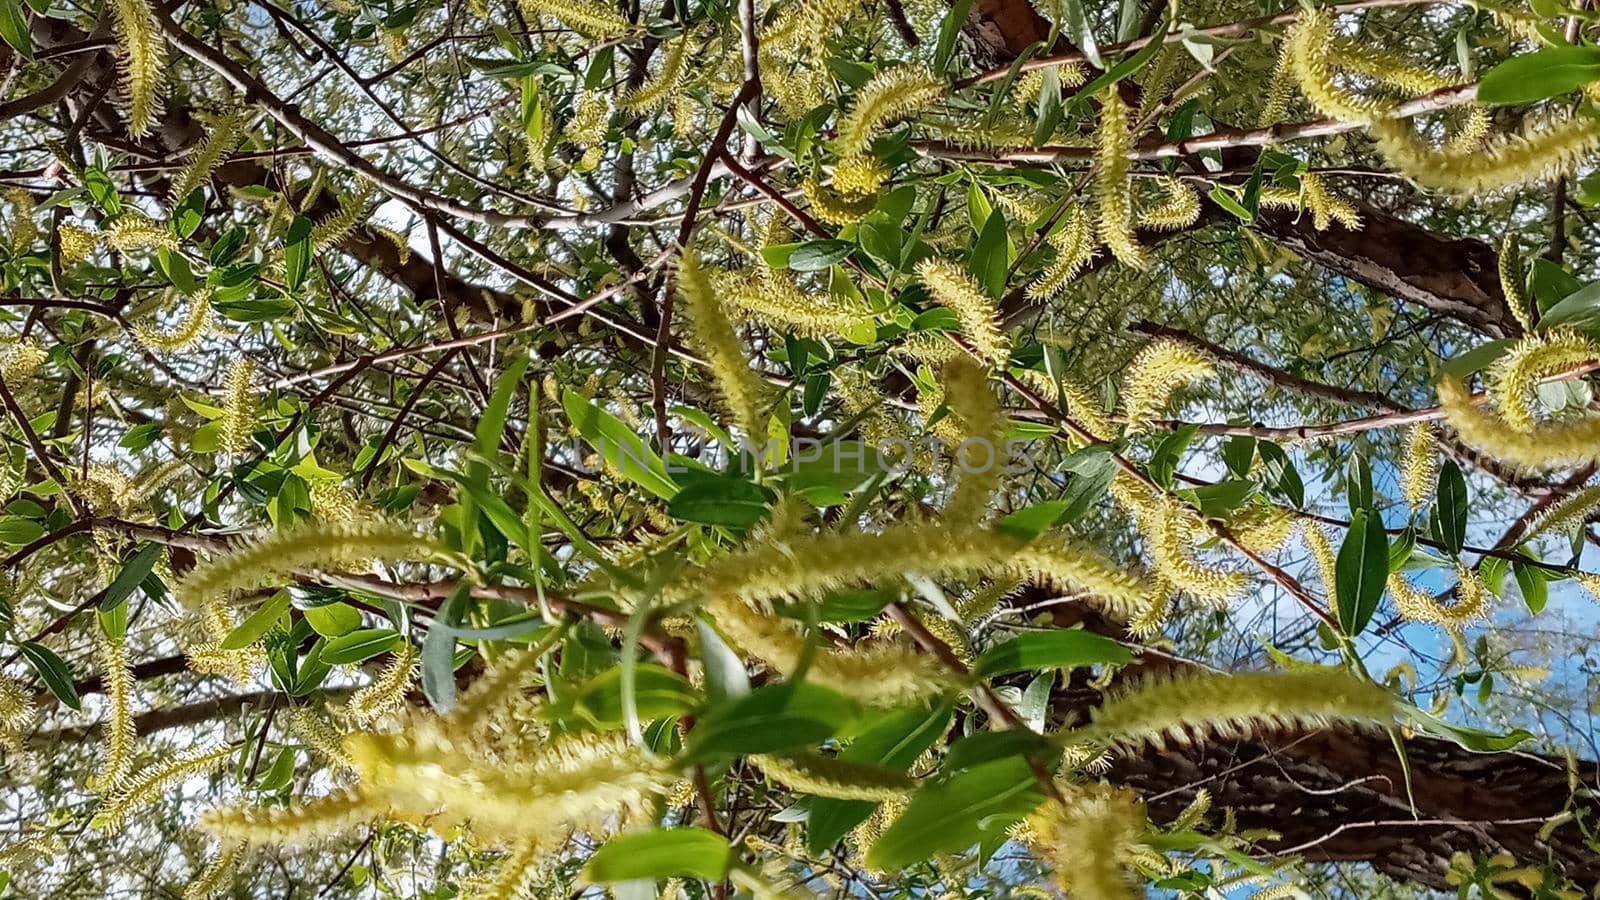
(811, 447)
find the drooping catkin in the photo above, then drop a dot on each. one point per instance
(1569, 442)
(983, 428)
(1074, 247)
(951, 287)
(1113, 184)
(1565, 513)
(267, 560)
(1515, 377)
(1419, 466)
(1158, 370)
(145, 787)
(773, 298)
(1193, 708)
(185, 333)
(216, 877)
(1174, 559)
(142, 53)
(887, 97)
(132, 231)
(826, 776)
(386, 693)
(1321, 549)
(290, 826)
(1310, 47)
(225, 136)
(592, 18)
(76, 244)
(1472, 599)
(1509, 265)
(1179, 209)
(22, 230)
(1089, 839)
(119, 734)
(1384, 67)
(16, 712)
(238, 419)
(665, 84)
(741, 390)
(1538, 154)
(318, 733)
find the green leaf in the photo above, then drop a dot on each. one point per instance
(956, 813)
(1237, 454)
(1543, 73)
(659, 693)
(819, 256)
(897, 741)
(1358, 482)
(15, 530)
(53, 671)
(1031, 521)
(1477, 358)
(662, 853)
(492, 424)
(730, 502)
(949, 30)
(1475, 740)
(1579, 309)
(439, 651)
(1062, 649)
(186, 216)
(1361, 570)
(618, 445)
(133, 574)
(297, 252)
(1450, 508)
(1550, 283)
(770, 719)
(1534, 584)
(1282, 478)
(991, 256)
(333, 619)
(358, 646)
(14, 28)
(258, 623)
(1223, 197)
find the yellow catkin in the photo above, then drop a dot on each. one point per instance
(1469, 135)
(333, 228)
(1362, 58)
(577, 783)
(1262, 527)
(660, 89)
(1537, 155)
(145, 787)
(1280, 88)
(1571, 442)
(16, 712)
(1471, 605)
(979, 456)
(773, 298)
(386, 693)
(1310, 44)
(266, 561)
(1113, 186)
(738, 384)
(951, 287)
(184, 334)
(1179, 209)
(806, 23)
(1156, 372)
(824, 776)
(887, 97)
(515, 873)
(822, 562)
(1199, 707)
(224, 137)
(1074, 247)
(238, 419)
(76, 244)
(20, 359)
(318, 733)
(216, 878)
(1419, 466)
(1313, 195)
(135, 232)
(836, 208)
(295, 825)
(118, 734)
(1509, 265)
(23, 231)
(142, 53)
(1321, 549)
(1566, 513)
(859, 175)
(1174, 559)
(592, 18)
(1515, 377)
(1089, 839)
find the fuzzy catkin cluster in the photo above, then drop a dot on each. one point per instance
(1156, 372)
(951, 287)
(1516, 376)
(1089, 838)
(1539, 153)
(1113, 183)
(1568, 442)
(741, 390)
